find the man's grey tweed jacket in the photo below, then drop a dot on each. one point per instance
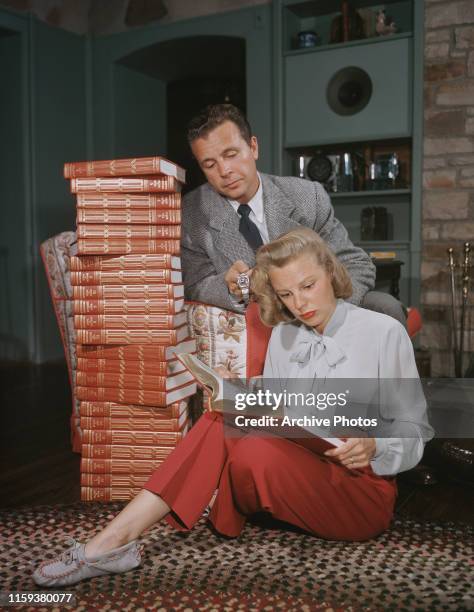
(211, 240)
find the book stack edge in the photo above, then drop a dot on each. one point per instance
(128, 306)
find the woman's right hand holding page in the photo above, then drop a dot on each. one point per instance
(355, 453)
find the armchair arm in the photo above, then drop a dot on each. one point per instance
(226, 338)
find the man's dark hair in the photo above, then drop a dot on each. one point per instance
(215, 115)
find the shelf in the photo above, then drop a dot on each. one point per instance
(382, 244)
(309, 125)
(315, 8)
(349, 43)
(340, 145)
(370, 194)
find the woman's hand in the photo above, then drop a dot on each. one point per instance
(355, 453)
(223, 372)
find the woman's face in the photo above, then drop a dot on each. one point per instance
(305, 289)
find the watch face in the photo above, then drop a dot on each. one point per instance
(243, 281)
(319, 168)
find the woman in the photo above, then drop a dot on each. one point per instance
(300, 287)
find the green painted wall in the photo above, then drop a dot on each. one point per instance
(139, 113)
(14, 293)
(42, 123)
(58, 135)
(70, 98)
(254, 25)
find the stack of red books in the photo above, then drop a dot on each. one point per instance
(128, 302)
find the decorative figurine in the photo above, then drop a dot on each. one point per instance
(384, 25)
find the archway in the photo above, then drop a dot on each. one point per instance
(160, 87)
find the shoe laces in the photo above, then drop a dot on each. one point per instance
(71, 555)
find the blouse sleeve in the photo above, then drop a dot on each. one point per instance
(402, 401)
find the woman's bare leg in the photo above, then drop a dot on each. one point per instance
(143, 511)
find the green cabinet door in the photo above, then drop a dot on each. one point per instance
(309, 120)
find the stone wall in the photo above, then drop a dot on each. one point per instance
(448, 176)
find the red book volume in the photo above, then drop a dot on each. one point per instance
(109, 263)
(107, 451)
(114, 480)
(128, 292)
(109, 494)
(124, 167)
(128, 201)
(131, 232)
(152, 217)
(132, 336)
(122, 246)
(126, 307)
(155, 184)
(126, 277)
(118, 466)
(132, 321)
(109, 409)
(133, 381)
(134, 396)
(132, 424)
(119, 366)
(132, 438)
(137, 352)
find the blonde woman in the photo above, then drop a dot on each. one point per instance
(300, 286)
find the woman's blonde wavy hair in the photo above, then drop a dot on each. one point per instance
(282, 251)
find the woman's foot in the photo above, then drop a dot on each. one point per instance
(72, 566)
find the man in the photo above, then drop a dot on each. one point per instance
(238, 209)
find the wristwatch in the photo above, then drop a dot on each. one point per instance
(243, 283)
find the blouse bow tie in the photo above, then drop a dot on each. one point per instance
(312, 349)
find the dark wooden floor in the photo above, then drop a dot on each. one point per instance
(38, 466)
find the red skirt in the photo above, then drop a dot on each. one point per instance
(269, 474)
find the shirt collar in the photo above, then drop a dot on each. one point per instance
(337, 318)
(256, 203)
(335, 322)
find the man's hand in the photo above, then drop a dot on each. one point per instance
(238, 267)
(355, 453)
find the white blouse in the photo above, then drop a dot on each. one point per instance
(358, 344)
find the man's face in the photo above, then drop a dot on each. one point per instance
(228, 162)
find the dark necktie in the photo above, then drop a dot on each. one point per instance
(247, 227)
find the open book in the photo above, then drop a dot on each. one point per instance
(209, 380)
(223, 401)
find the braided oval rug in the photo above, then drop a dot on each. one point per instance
(413, 566)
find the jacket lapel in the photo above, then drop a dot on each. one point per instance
(224, 224)
(278, 209)
(224, 221)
